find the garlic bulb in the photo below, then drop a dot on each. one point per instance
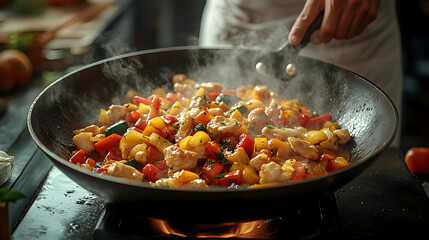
(6, 166)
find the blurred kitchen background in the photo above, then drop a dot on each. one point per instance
(116, 27)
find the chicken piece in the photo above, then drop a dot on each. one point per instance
(222, 127)
(184, 89)
(117, 112)
(139, 153)
(129, 96)
(185, 125)
(179, 78)
(178, 158)
(272, 132)
(94, 129)
(118, 169)
(303, 148)
(274, 109)
(273, 172)
(258, 118)
(82, 141)
(199, 102)
(244, 91)
(343, 135)
(259, 160)
(211, 87)
(216, 112)
(261, 93)
(196, 184)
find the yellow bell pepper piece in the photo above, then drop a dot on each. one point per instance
(315, 137)
(157, 123)
(331, 125)
(249, 175)
(184, 142)
(261, 143)
(263, 185)
(239, 156)
(148, 130)
(103, 118)
(236, 166)
(200, 92)
(159, 142)
(200, 138)
(253, 104)
(131, 138)
(143, 108)
(185, 176)
(176, 108)
(237, 116)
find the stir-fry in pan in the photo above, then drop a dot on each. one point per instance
(202, 135)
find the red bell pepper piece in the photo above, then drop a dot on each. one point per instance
(103, 169)
(169, 119)
(137, 100)
(141, 124)
(132, 116)
(137, 129)
(230, 92)
(231, 177)
(247, 143)
(212, 96)
(154, 154)
(317, 122)
(212, 148)
(78, 157)
(303, 119)
(111, 141)
(152, 173)
(212, 168)
(113, 153)
(161, 164)
(300, 171)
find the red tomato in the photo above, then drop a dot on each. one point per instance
(17, 65)
(417, 160)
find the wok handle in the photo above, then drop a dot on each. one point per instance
(291, 50)
(313, 27)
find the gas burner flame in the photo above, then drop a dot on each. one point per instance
(242, 229)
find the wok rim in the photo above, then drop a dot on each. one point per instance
(59, 160)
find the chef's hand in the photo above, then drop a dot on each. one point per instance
(343, 19)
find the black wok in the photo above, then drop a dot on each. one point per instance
(74, 100)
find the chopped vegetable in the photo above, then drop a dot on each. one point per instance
(108, 142)
(202, 135)
(119, 128)
(78, 157)
(133, 163)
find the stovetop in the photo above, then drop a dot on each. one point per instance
(385, 200)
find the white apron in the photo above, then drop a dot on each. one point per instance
(375, 54)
